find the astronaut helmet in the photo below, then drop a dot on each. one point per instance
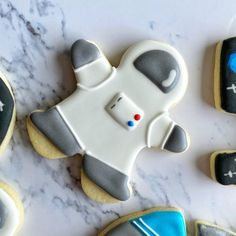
(162, 65)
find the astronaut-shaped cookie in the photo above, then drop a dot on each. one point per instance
(114, 113)
(11, 211)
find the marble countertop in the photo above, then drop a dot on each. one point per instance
(35, 38)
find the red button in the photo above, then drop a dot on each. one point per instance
(137, 117)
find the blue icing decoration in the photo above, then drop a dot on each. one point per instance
(232, 62)
(162, 223)
(130, 123)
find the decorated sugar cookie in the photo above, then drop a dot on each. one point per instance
(7, 113)
(11, 211)
(206, 229)
(153, 222)
(223, 163)
(113, 114)
(225, 76)
(223, 167)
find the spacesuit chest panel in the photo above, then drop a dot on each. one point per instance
(124, 111)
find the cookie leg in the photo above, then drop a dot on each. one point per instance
(11, 211)
(102, 182)
(50, 135)
(177, 140)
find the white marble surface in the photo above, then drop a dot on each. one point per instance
(35, 38)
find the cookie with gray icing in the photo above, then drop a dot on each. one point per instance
(7, 113)
(153, 222)
(114, 113)
(207, 229)
(11, 211)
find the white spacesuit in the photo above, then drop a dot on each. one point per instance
(116, 112)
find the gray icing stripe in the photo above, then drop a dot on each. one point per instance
(208, 230)
(125, 229)
(106, 177)
(6, 109)
(160, 67)
(83, 52)
(52, 125)
(3, 214)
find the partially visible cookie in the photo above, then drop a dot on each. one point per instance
(225, 76)
(206, 229)
(7, 113)
(155, 221)
(223, 167)
(11, 211)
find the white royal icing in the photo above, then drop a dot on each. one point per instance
(99, 129)
(13, 216)
(170, 79)
(123, 110)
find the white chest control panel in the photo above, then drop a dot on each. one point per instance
(125, 111)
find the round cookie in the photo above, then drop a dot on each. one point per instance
(7, 113)
(155, 221)
(203, 228)
(107, 119)
(11, 211)
(225, 76)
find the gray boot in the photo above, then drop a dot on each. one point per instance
(51, 124)
(112, 181)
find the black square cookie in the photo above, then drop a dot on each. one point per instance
(223, 167)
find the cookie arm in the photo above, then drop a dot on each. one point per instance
(90, 66)
(166, 134)
(176, 140)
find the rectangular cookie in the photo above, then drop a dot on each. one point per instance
(225, 76)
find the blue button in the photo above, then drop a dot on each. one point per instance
(232, 62)
(130, 123)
